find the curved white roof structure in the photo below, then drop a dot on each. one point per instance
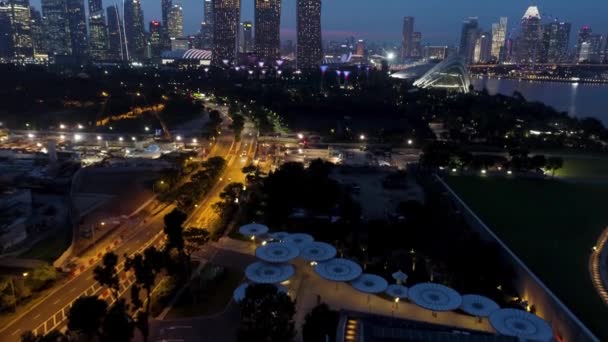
(277, 252)
(239, 292)
(253, 229)
(521, 324)
(281, 236)
(370, 283)
(435, 297)
(478, 306)
(317, 251)
(266, 273)
(299, 239)
(397, 291)
(339, 270)
(451, 74)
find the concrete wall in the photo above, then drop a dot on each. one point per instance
(565, 324)
(73, 218)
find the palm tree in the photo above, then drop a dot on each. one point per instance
(107, 275)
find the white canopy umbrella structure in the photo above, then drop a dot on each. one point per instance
(435, 297)
(239, 293)
(253, 229)
(398, 292)
(370, 284)
(400, 277)
(317, 251)
(521, 324)
(266, 273)
(280, 236)
(478, 306)
(299, 239)
(276, 252)
(339, 270)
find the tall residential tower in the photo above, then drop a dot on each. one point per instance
(267, 29)
(309, 50)
(226, 15)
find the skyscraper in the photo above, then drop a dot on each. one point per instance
(246, 37)
(15, 29)
(360, 48)
(56, 28)
(175, 21)
(98, 38)
(528, 44)
(309, 46)
(78, 28)
(589, 46)
(155, 41)
(267, 29)
(134, 29)
(483, 48)
(416, 45)
(226, 15)
(499, 36)
(468, 39)
(37, 33)
(116, 43)
(207, 25)
(556, 36)
(407, 44)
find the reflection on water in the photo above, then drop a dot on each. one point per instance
(578, 100)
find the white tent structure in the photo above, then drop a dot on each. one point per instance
(317, 251)
(478, 306)
(299, 239)
(266, 273)
(435, 297)
(521, 324)
(277, 252)
(339, 270)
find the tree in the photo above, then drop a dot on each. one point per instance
(118, 325)
(146, 267)
(320, 323)
(266, 315)
(86, 315)
(107, 275)
(195, 238)
(538, 161)
(173, 229)
(554, 164)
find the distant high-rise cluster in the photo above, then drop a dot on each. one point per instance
(16, 36)
(411, 41)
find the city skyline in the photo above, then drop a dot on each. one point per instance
(369, 21)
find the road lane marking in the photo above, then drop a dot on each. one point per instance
(15, 332)
(57, 301)
(38, 315)
(72, 290)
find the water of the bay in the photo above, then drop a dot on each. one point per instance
(579, 100)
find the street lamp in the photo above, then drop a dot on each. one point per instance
(178, 138)
(99, 138)
(362, 137)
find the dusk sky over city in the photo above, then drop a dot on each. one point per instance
(381, 20)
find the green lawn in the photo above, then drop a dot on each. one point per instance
(212, 300)
(50, 248)
(584, 167)
(551, 226)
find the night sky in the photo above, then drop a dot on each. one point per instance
(380, 20)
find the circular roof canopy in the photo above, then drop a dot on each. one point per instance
(281, 236)
(400, 276)
(276, 252)
(239, 292)
(266, 273)
(521, 324)
(299, 239)
(253, 229)
(397, 291)
(479, 306)
(434, 297)
(370, 283)
(339, 270)
(317, 251)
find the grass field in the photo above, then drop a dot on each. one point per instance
(215, 299)
(50, 248)
(584, 167)
(552, 226)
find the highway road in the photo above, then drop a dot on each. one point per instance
(51, 312)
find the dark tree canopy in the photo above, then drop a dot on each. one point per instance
(266, 315)
(320, 323)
